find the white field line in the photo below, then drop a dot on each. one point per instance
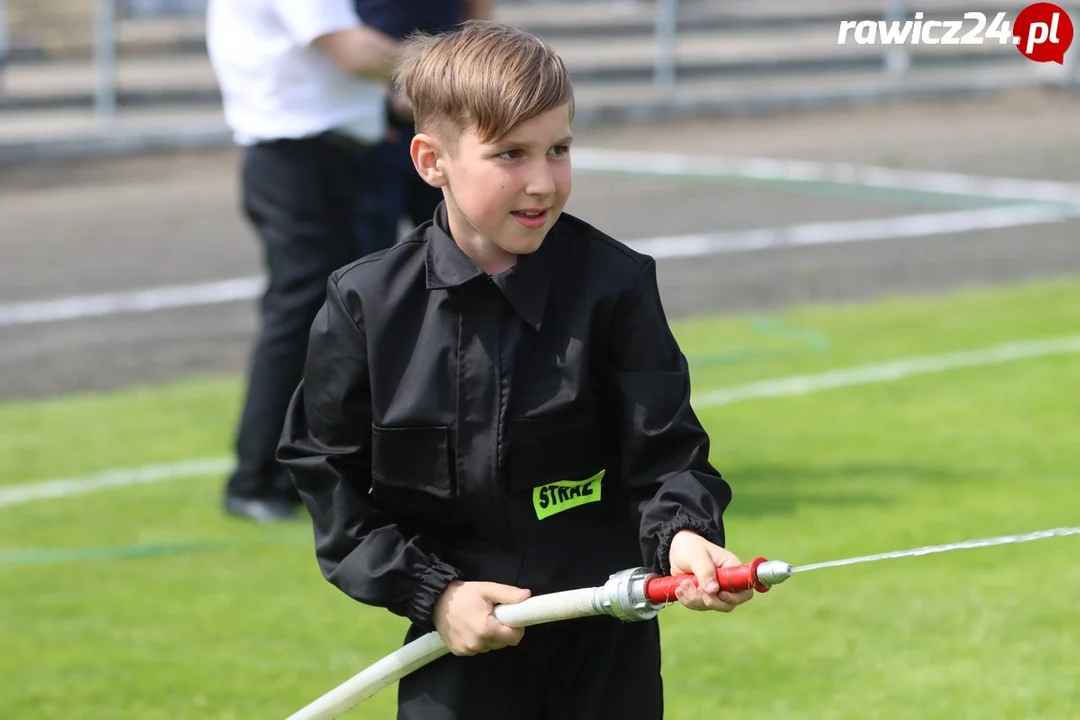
(889, 371)
(78, 307)
(780, 387)
(67, 487)
(829, 233)
(651, 163)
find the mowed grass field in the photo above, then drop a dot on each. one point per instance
(145, 602)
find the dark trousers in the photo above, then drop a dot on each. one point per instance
(586, 669)
(301, 198)
(394, 191)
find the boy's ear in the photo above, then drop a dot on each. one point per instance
(426, 156)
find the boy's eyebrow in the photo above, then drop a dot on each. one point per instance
(504, 144)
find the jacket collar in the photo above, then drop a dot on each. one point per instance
(525, 286)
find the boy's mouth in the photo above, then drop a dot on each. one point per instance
(531, 218)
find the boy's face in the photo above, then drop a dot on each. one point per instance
(503, 197)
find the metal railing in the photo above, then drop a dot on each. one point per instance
(105, 47)
(108, 12)
(97, 38)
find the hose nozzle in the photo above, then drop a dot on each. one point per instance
(773, 572)
(636, 594)
(759, 574)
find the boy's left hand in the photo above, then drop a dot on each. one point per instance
(693, 554)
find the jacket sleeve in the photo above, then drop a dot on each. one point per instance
(326, 447)
(663, 449)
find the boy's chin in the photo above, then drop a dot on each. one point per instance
(526, 247)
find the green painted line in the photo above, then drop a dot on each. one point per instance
(798, 336)
(769, 326)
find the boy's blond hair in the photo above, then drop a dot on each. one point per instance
(484, 76)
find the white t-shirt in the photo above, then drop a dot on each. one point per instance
(275, 83)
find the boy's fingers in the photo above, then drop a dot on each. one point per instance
(697, 600)
(725, 558)
(497, 594)
(721, 606)
(705, 572)
(689, 595)
(717, 603)
(499, 636)
(508, 636)
(736, 598)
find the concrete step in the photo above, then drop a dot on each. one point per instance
(35, 135)
(189, 78)
(635, 17)
(552, 19)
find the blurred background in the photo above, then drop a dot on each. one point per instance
(70, 65)
(814, 208)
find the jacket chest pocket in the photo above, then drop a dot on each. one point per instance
(410, 469)
(557, 463)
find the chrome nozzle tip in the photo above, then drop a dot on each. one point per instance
(774, 572)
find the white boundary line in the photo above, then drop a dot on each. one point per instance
(874, 230)
(889, 371)
(68, 487)
(780, 387)
(78, 307)
(650, 163)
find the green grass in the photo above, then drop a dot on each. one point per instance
(247, 628)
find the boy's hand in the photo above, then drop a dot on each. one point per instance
(693, 554)
(464, 620)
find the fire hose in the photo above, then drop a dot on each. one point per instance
(630, 595)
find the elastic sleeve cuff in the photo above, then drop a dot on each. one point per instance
(681, 522)
(432, 585)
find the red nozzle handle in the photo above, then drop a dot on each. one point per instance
(732, 579)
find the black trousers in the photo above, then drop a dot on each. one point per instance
(301, 198)
(394, 191)
(585, 669)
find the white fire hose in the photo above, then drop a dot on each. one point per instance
(631, 595)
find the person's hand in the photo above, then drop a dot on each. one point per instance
(464, 621)
(692, 554)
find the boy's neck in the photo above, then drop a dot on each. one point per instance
(485, 255)
(492, 265)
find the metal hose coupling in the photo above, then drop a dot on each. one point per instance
(623, 596)
(638, 594)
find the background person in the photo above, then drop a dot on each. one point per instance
(393, 191)
(302, 87)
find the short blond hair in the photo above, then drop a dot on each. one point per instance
(483, 76)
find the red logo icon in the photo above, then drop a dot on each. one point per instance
(1043, 32)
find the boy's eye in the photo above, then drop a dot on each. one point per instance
(558, 150)
(509, 154)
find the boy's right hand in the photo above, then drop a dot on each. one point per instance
(463, 617)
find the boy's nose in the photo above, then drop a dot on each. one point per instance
(541, 181)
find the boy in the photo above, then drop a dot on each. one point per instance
(496, 406)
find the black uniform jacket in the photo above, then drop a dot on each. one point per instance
(532, 428)
(398, 18)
